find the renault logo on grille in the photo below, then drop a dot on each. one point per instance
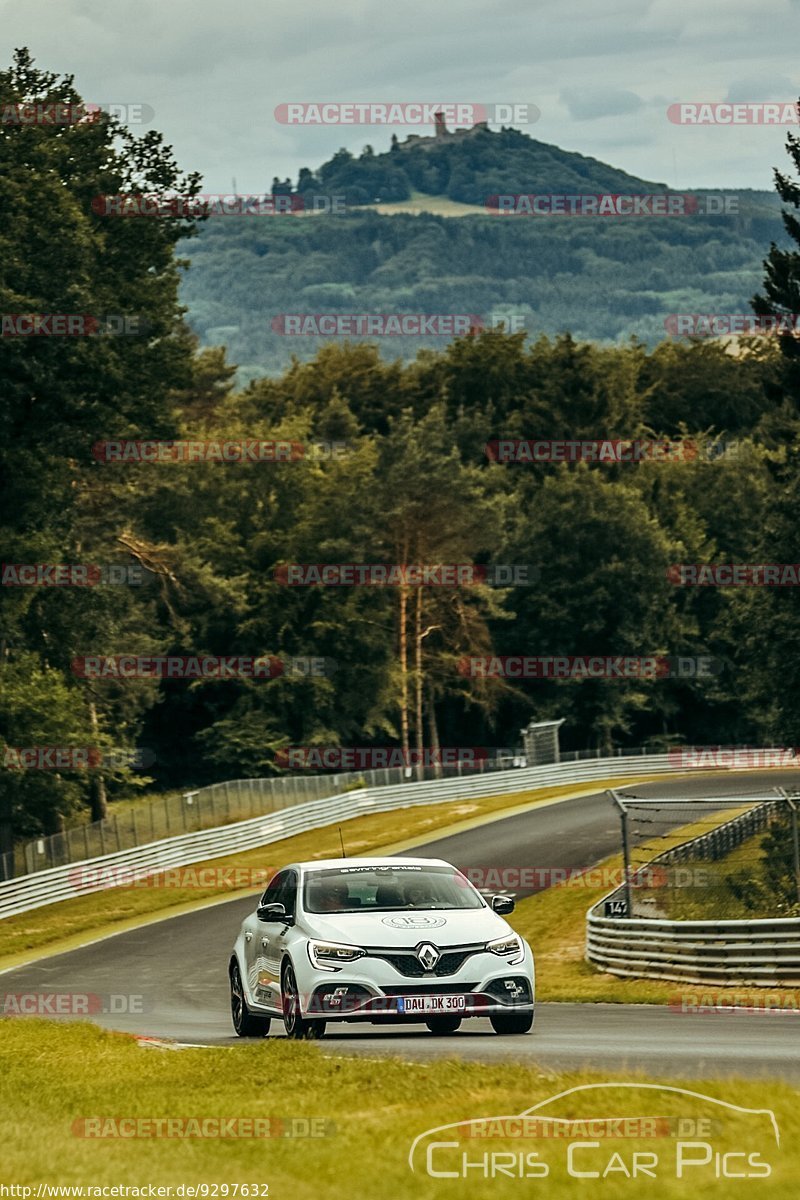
(428, 955)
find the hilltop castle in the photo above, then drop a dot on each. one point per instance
(442, 133)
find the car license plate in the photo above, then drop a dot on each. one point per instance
(431, 1004)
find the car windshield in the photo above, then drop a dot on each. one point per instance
(384, 889)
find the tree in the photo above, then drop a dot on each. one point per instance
(435, 510)
(602, 591)
(781, 294)
(61, 395)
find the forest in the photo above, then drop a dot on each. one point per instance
(391, 467)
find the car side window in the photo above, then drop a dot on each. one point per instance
(288, 892)
(273, 893)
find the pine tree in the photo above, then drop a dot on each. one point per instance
(781, 295)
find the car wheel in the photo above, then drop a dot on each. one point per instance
(513, 1022)
(295, 1024)
(443, 1025)
(244, 1022)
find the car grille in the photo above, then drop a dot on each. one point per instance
(407, 963)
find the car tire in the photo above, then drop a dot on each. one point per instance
(296, 1026)
(513, 1022)
(245, 1024)
(441, 1026)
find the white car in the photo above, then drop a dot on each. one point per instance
(381, 940)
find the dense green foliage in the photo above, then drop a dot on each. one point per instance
(415, 486)
(601, 278)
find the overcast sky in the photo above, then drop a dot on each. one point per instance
(602, 73)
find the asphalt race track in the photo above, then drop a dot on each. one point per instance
(178, 967)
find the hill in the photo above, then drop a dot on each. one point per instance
(396, 248)
(467, 166)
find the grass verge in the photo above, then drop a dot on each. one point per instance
(52, 1076)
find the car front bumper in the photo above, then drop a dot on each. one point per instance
(379, 993)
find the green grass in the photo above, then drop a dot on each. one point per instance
(54, 1075)
(116, 908)
(421, 202)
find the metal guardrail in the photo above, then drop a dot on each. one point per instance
(166, 816)
(742, 953)
(233, 800)
(93, 875)
(206, 808)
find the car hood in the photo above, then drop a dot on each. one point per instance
(442, 927)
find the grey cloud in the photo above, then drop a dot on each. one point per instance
(763, 87)
(214, 73)
(587, 104)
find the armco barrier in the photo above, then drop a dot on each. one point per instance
(67, 882)
(742, 953)
(164, 816)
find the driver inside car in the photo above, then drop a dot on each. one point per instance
(330, 897)
(418, 896)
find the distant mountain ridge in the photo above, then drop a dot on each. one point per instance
(398, 248)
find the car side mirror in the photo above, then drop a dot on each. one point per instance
(503, 904)
(272, 912)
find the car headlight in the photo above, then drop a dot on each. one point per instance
(510, 946)
(327, 956)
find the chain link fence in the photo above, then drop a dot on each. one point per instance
(625, 936)
(236, 800)
(218, 804)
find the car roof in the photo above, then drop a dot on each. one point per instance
(386, 861)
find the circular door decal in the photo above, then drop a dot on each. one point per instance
(414, 921)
